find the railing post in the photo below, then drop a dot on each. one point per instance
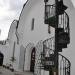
(56, 38)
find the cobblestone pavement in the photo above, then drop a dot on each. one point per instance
(4, 71)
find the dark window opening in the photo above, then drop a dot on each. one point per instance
(32, 27)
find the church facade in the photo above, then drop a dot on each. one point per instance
(26, 36)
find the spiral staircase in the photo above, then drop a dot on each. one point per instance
(46, 60)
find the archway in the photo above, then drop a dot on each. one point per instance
(22, 58)
(28, 53)
(1, 58)
(32, 60)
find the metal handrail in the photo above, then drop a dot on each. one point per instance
(65, 58)
(68, 26)
(64, 65)
(63, 18)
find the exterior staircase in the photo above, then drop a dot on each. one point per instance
(46, 61)
(63, 30)
(46, 58)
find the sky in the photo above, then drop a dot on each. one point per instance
(10, 10)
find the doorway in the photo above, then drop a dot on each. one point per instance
(32, 60)
(1, 58)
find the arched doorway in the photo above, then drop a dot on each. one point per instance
(32, 60)
(1, 58)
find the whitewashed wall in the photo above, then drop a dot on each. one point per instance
(7, 49)
(40, 31)
(35, 9)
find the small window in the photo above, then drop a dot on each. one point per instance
(32, 26)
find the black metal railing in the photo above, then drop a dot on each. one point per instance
(63, 18)
(63, 27)
(64, 22)
(64, 65)
(49, 46)
(50, 17)
(49, 11)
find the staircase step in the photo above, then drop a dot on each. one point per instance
(60, 30)
(63, 38)
(62, 46)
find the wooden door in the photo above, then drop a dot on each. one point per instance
(32, 60)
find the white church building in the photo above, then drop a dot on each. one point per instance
(26, 36)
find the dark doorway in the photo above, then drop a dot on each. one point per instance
(1, 59)
(32, 60)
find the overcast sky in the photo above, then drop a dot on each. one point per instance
(9, 10)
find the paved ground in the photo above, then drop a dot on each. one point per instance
(23, 73)
(4, 71)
